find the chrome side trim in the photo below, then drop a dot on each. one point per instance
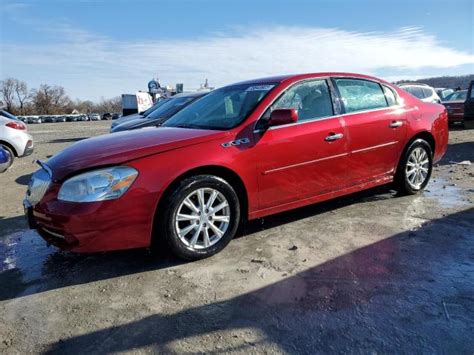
(236, 142)
(303, 164)
(373, 147)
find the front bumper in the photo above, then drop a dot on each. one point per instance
(124, 223)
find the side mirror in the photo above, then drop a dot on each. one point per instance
(283, 116)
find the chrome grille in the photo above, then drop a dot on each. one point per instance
(37, 187)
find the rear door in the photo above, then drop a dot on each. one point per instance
(376, 128)
(304, 159)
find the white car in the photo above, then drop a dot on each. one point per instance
(422, 91)
(14, 137)
(94, 117)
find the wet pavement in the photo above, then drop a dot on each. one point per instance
(371, 272)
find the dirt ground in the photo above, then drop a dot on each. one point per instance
(367, 273)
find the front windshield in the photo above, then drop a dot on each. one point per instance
(172, 106)
(457, 95)
(154, 107)
(221, 109)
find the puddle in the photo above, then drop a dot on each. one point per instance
(445, 193)
(29, 266)
(25, 251)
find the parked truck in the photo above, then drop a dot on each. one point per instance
(135, 103)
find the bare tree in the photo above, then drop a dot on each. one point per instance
(7, 92)
(109, 105)
(51, 100)
(22, 95)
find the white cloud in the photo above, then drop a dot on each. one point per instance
(90, 66)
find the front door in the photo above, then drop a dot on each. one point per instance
(304, 159)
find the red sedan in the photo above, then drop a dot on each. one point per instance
(454, 103)
(241, 152)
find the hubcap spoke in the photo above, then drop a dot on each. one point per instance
(188, 203)
(186, 230)
(211, 200)
(195, 236)
(221, 218)
(220, 207)
(187, 217)
(216, 230)
(200, 194)
(207, 240)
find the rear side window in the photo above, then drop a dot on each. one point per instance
(389, 96)
(360, 95)
(427, 92)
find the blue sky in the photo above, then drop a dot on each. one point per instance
(104, 48)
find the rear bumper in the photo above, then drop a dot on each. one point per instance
(29, 148)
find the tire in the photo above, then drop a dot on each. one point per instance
(209, 231)
(12, 156)
(418, 157)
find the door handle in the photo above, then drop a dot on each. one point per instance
(333, 137)
(395, 124)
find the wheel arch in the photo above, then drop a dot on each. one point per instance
(9, 146)
(425, 135)
(225, 173)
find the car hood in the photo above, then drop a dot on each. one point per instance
(121, 147)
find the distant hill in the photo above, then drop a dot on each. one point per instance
(444, 81)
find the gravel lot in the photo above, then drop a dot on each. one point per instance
(371, 272)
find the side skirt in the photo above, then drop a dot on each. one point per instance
(319, 198)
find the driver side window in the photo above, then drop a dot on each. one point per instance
(311, 98)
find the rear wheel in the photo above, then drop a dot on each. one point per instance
(201, 218)
(415, 167)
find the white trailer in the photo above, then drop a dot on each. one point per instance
(138, 102)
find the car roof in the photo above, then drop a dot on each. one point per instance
(295, 77)
(190, 94)
(414, 84)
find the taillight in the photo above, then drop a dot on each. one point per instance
(16, 125)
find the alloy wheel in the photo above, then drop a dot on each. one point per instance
(202, 218)
(417, 168)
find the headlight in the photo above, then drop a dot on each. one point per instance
(98, 185)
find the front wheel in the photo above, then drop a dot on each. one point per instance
(415, 167)
(201, 217)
